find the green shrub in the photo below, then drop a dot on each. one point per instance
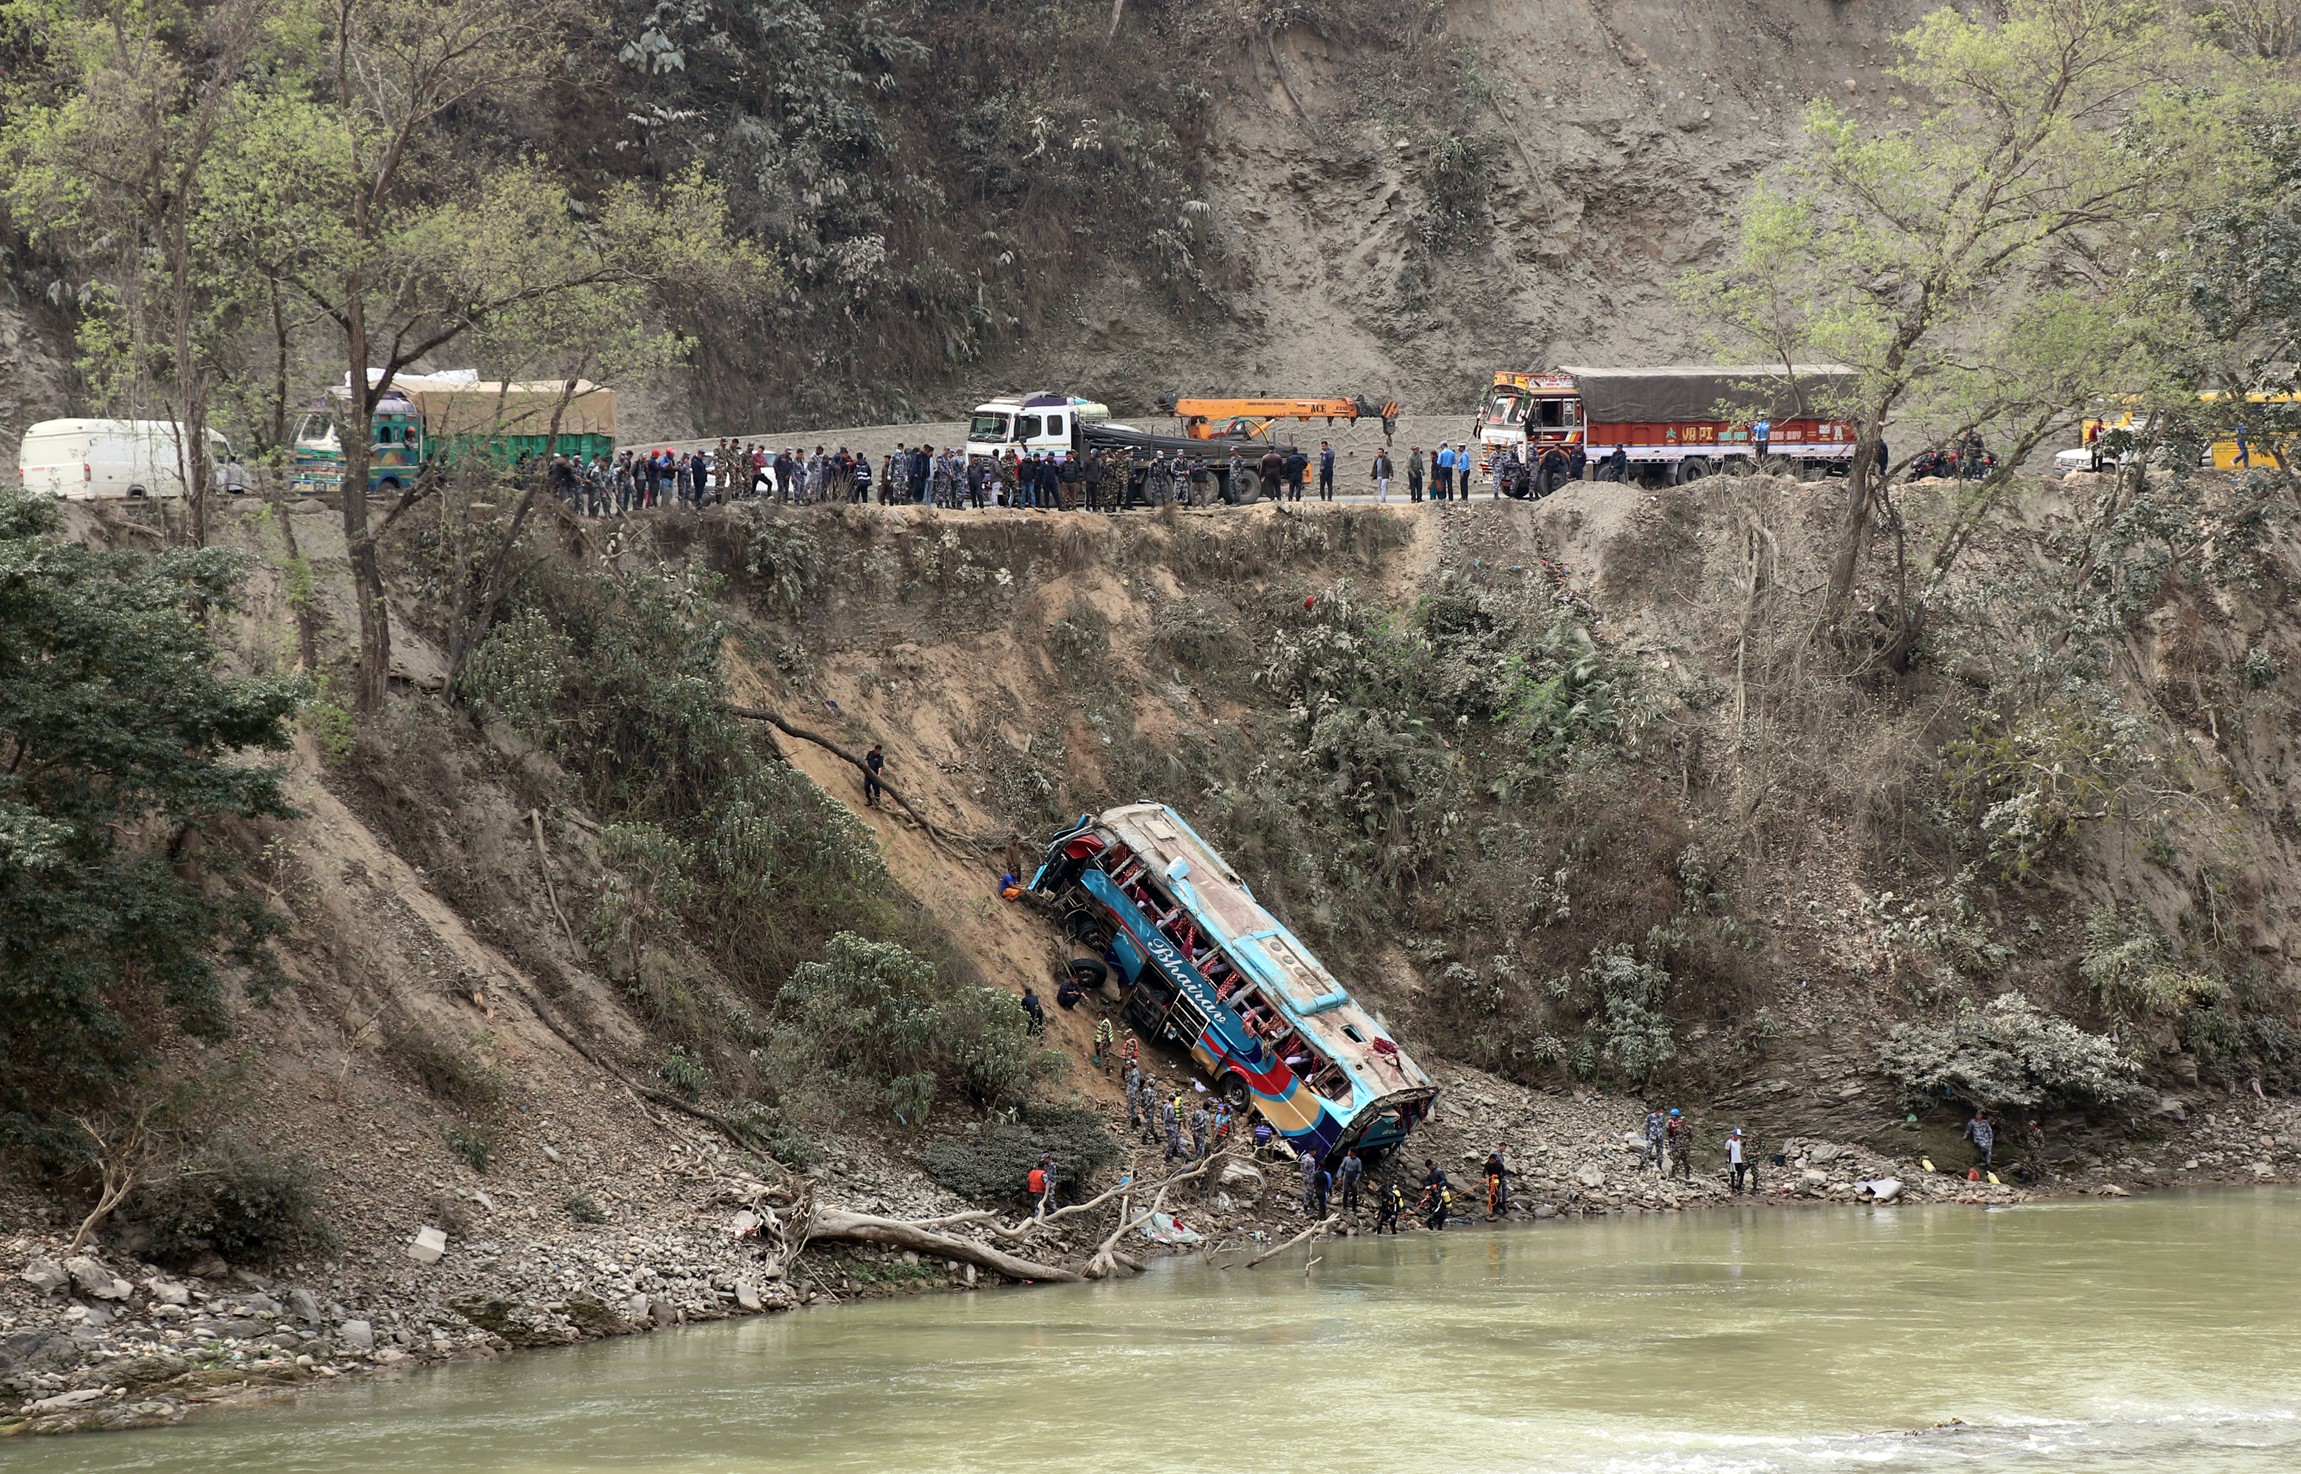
(684, 1075)
(2140, 976)
(990, 1161)
(2009, 1053)
(584, 1209)
(2027, 783)
(475, 1148)
(878, 1028)
(231, 1201)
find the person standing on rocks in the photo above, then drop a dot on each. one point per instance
(1310, 1170)
(1681, 1146)
(1353, 1171)
(1656, 1131)
(1201, 1132)
(1984, 1138)
(1170, 1121)
(1106, 1044)
(1042, 1184)
(1497, 1184)
(1134, 1089)
(874, 766)
(1736, 1166)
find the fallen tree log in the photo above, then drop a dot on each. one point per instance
(868, 1228)
(762, 714)
(1322, 1223)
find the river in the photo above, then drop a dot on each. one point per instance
(2147, 1335)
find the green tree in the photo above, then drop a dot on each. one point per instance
(119, 741)
(405, 237)
(1973, 261)
(112, 160)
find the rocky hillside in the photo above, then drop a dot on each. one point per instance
(1340, 198)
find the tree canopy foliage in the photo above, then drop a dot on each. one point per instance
(119, 740)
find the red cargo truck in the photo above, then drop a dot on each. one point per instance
(1675, 423)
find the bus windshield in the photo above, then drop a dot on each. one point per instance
(987, 427)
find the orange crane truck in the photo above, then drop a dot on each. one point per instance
(1215, 419)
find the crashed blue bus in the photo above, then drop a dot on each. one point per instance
(1204, 966)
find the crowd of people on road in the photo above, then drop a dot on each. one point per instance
(1111, 479)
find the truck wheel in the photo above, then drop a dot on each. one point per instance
(1692, 468)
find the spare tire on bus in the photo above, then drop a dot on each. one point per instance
(1692, 468)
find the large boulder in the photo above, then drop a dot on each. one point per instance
(45, 1275)
(428, 1245)
(359, 1335)
(94, 1280)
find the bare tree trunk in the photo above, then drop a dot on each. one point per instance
(279, 371)
(1854, 529)
(356, 435)
(866, 1228)
(472, 627)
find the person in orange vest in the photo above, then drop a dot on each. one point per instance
(1042, 1184)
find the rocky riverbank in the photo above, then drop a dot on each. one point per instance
(95, 1340)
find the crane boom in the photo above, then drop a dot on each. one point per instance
(1211, 418)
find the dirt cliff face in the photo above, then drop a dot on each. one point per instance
(1408, 200)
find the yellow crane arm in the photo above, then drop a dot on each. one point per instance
(1205, 419)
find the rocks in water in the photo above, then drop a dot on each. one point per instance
(94, 1280)
(428, 1245)
(357, 1334)
(45, 1275)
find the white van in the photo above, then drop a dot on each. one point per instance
(83, 460)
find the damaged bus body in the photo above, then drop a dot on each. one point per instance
(1206, 967)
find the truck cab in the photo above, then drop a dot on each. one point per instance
(394, 455)
(1030, 424)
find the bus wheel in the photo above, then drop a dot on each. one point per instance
(389, 483)
(1234, 1090)
(1692, 468)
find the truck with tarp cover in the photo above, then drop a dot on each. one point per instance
(1205, 967)
(1676, 422)
(455, 418)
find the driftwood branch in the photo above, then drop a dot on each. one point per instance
(1322, 1224)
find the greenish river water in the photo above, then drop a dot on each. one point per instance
(2157, 1334)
